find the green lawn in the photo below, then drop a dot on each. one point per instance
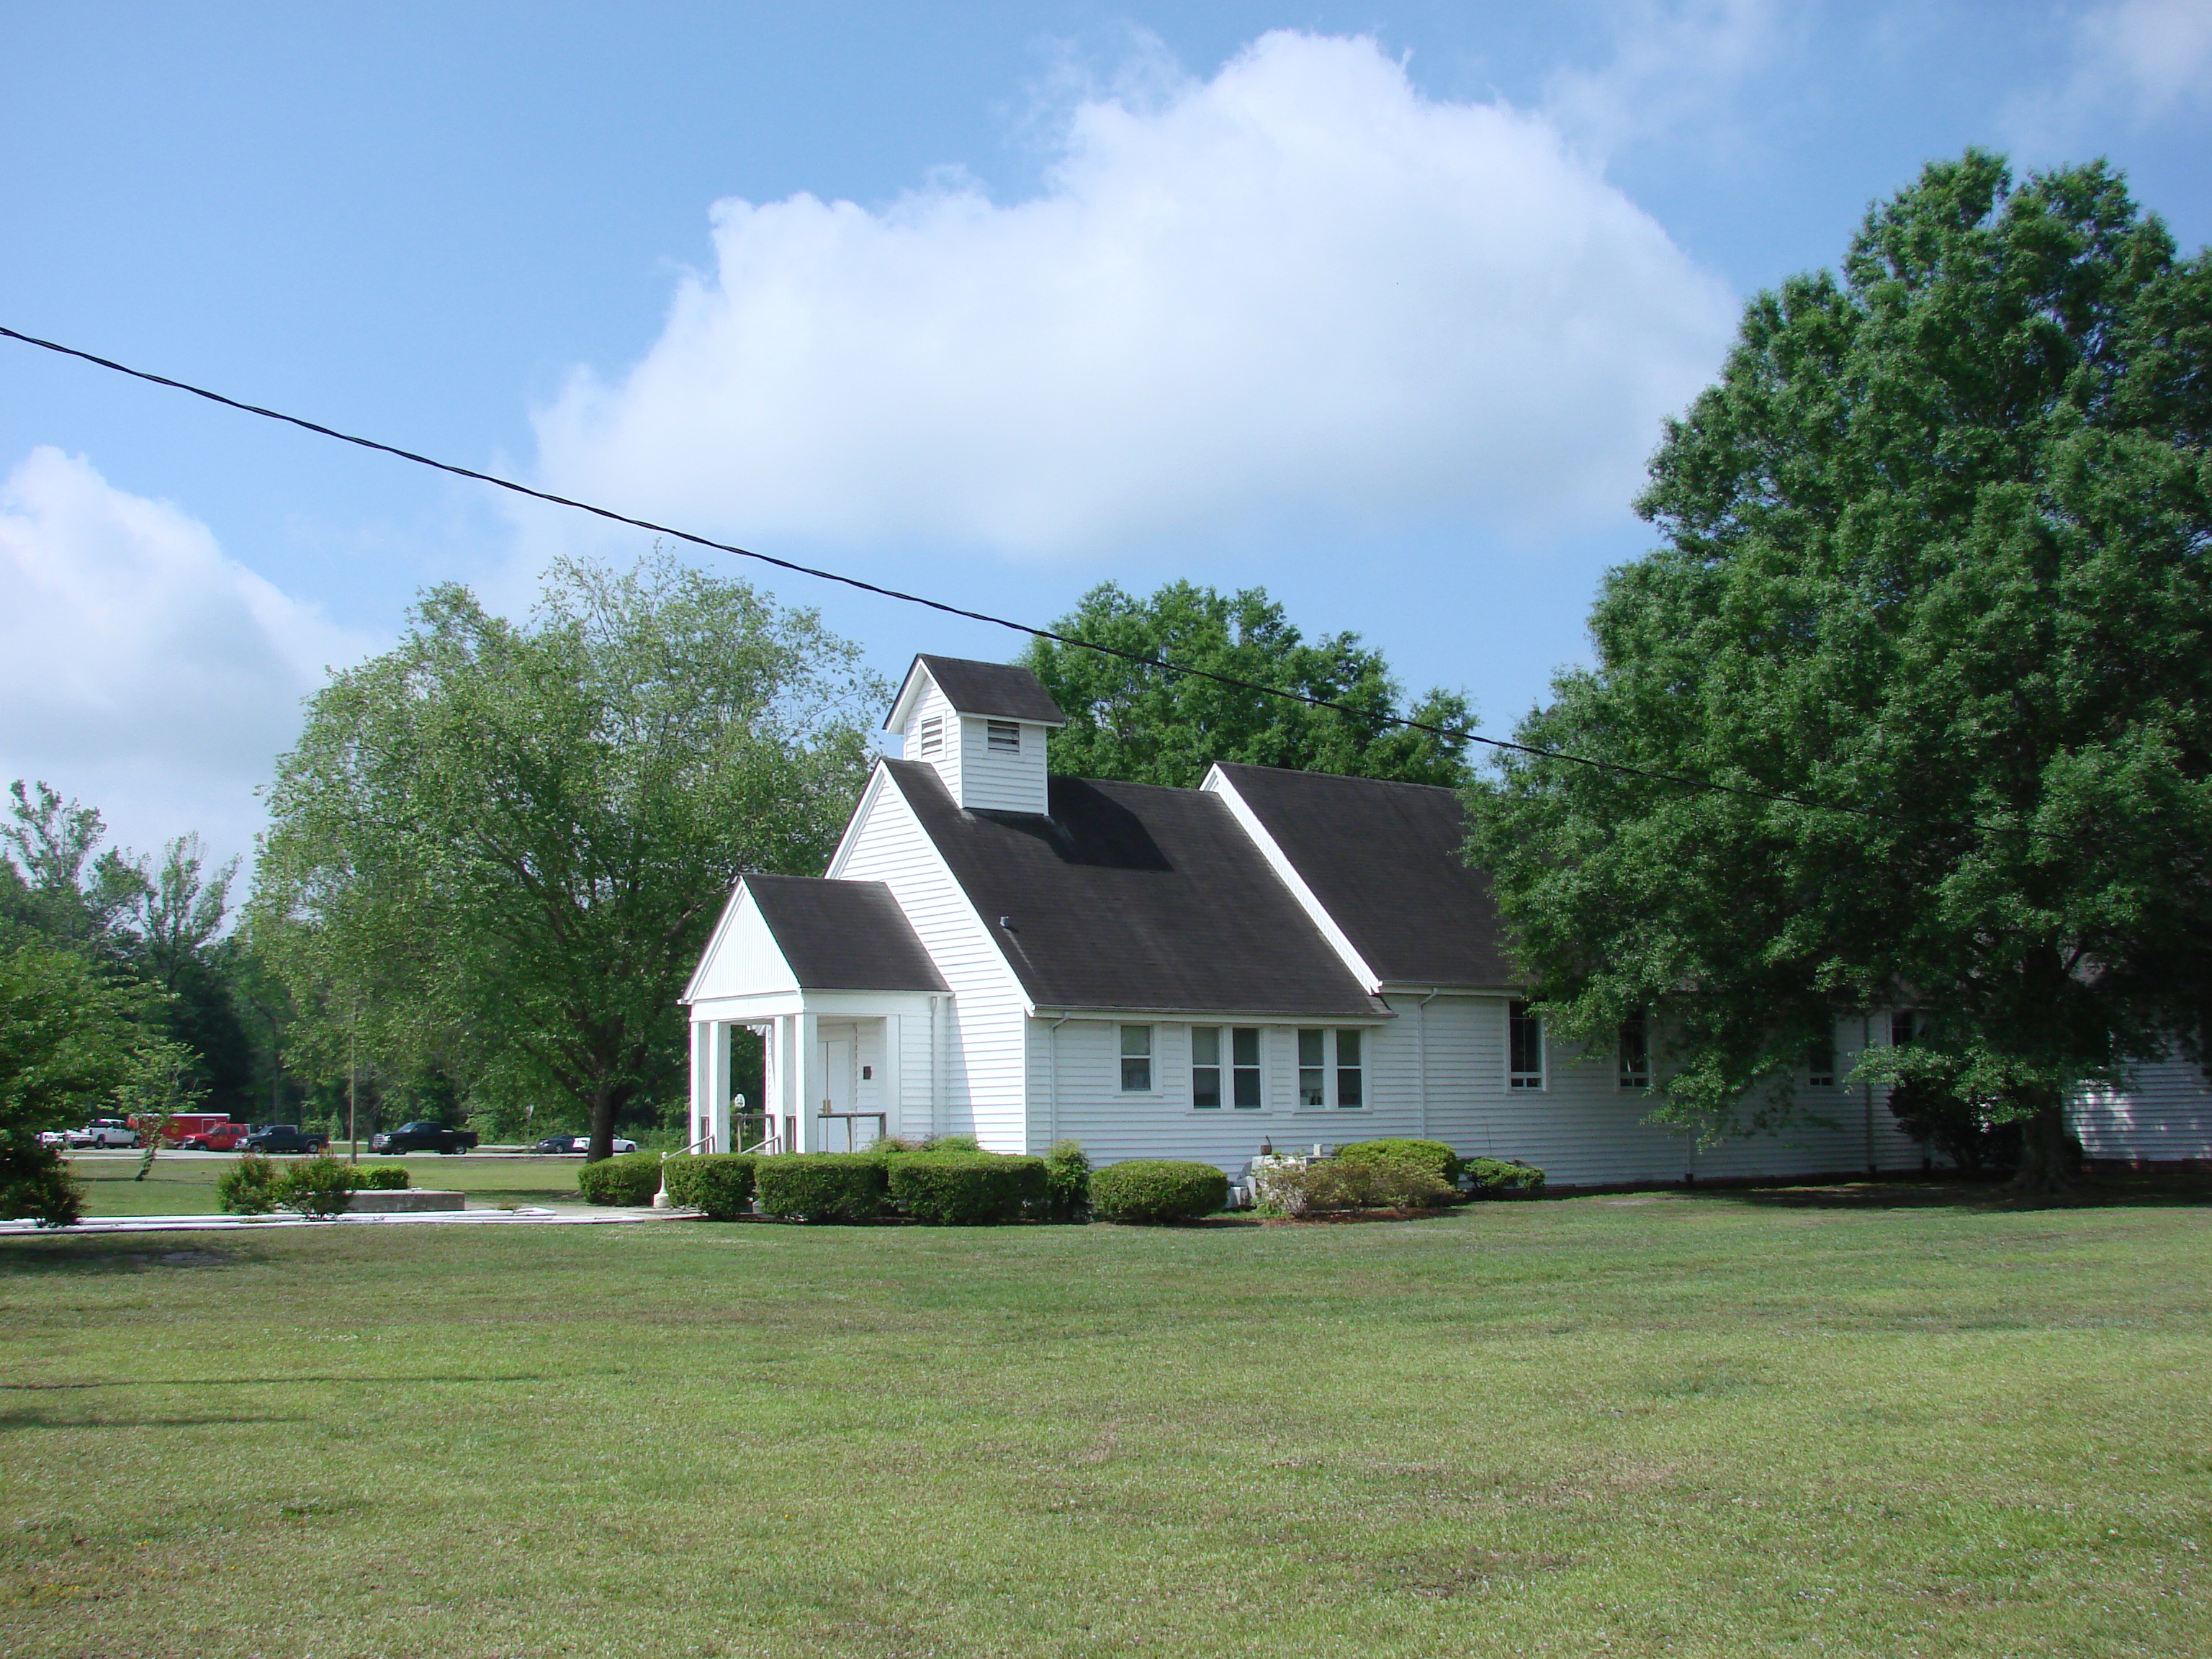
(1658, 1423)
(185, 1185)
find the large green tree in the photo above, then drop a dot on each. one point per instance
(496, 850)
(1153, 726)
(72, 1035)
(1939, 558)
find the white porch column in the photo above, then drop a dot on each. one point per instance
(783, 1081)
(891, 1096)
(811, 1085)
(717, 1114)
(701, 1077)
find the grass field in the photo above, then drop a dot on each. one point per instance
(185, 1185)
(1748, 1423)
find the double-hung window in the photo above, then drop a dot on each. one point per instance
(1003, 737)
(1314, 1068)
(1136, 1059)
(1636, 1051)
(1524, 1029)
(1820, 1061)
(1240, 1062)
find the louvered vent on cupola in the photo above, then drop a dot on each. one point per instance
(983, 726)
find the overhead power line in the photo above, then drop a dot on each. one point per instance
(1449, 734)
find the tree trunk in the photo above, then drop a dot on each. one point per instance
(2049, 1157)
(603, 1125)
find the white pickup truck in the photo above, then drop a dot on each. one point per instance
(103, 1132)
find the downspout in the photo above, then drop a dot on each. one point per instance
(1052, 1078)
(1421, 1048)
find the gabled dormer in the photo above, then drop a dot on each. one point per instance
(983, 726)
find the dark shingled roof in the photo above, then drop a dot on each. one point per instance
(1384, 859)
(1134, 897)
(843, 935)
(1002, 689)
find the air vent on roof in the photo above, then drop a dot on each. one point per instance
(1004, 737)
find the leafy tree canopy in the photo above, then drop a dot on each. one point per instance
(1939, 550)
(497, 849)
(1154, 726)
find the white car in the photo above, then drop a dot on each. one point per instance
(103, 1132)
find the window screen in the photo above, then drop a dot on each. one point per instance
(1351, 1089)
(1525, 1043)
(1244, 1057)
(1205, 1067)
(1313, 1067)
(1820, 1061)
(1004, 736)
(1136, 1059)
(1635, 1052)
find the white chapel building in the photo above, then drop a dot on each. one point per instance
(1273, 957)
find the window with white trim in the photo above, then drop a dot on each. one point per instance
(1002, 736)
(933, 734)
(1240, 1062)
(1820, 1061)
(1314, 1068)
(1525, 1044)
(1636, 1051)
(1205, 1067)
(1136, 1059)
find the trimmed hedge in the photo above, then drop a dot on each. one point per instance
(1499, 1177)
(382, 1178)
(966, 1189)
(1435, 1154)
(719, 1184)
(841, 1187)
(630, 1180)
(1155, 1189)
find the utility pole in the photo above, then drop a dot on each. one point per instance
(353, 1083)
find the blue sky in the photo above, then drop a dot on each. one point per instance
(1378, 307)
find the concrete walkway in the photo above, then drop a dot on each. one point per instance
(528, 1216)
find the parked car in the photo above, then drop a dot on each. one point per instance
(284, 1137)
(423, 1137)
(579, 1144)
(102, 1132)
(52, 1138)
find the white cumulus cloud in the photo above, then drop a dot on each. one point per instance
(1300, 292)
(2148, 59)
(141, 669)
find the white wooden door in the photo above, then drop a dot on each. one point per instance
(836, 1091)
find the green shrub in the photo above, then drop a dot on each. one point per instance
(1347, 1183)
(718, 1184)
(1154, 1189)
(842, 1187)
(382, 1178)
(1066, 1182)
(35, 1184)
(1433, 1153)
(966, 1189)
(1499, 1177)
(951, 1144)
(249, 1187)
(630, 1180)
(321, 1187)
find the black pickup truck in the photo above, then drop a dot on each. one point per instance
(283, 1138)
(423, 1137)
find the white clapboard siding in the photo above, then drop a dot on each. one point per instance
(929, 704)
(979, 1061)
(1582, 1129)
(993, 780)
(2162, 1114)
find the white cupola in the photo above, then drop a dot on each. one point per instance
(983, 726)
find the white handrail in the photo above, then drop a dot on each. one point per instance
(660, 1199)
